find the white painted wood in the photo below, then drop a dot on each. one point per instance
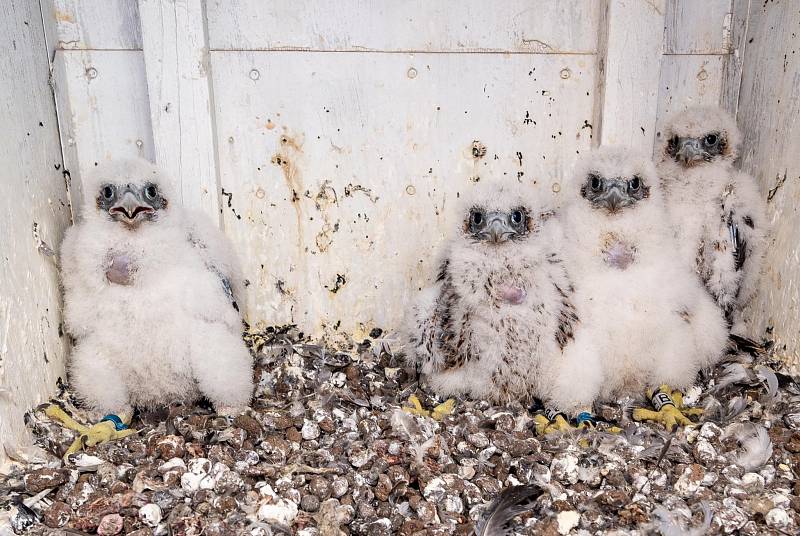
(632, 40)
(694, 27)
(545, 26)
(176, 64)
(93, 24)
(732, 68)
(34, 211)
(351, 164)
(769, 115)
(687, 80)
(103, 110)
(382, 100)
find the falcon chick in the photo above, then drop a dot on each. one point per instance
(150, 297)
(499, 312)
(645, 320)
(716, 211)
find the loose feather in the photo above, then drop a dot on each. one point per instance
(670, 524)
(767, 375)
(403, 423)
(510, 503)
(743, 344)
(756, 446)
(419, 450)
(714, 410)
(733, 373)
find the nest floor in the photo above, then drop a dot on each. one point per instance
(327, 450)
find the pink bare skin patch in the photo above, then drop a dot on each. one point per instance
(121, 270)
(513, 295)
(619, 254)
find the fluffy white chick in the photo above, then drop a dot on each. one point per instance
(499, 312)
(716, 211)
(149, 293)
(645, 320)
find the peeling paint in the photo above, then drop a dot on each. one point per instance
(289, 150)
(351, 188)
(340, 282)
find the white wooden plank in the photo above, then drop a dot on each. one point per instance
(34, 212)
(93, 24)
(103, 110)
(348, 166)
(694, 27)
(546, 26)
(176, 63)
(769, 115)
(629, 81)
(732, 68)
(687, 80)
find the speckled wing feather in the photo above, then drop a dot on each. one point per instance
(511, 502)
(567, 315)
(453, 330)
(224, 280)
(738, 240)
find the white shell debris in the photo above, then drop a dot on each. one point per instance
(326, 449)
(150, 514)
(567, 521)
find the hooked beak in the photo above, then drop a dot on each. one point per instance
(690, 151)
(129, 208)
(614, 197)
(498, 229)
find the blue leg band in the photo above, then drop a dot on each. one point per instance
(585, 416)
(118, 424)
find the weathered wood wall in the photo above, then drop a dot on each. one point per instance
(34, 212)
(332, 139)
(769, 113)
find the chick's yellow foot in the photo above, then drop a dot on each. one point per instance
(110, 428)
(438, 413)
(669, 409)
(552, 422)
(544, 426)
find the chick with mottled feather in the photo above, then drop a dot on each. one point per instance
(150, 294)
(716, 211)
(645, 320)
(497, 317)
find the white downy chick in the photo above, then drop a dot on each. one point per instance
(645, 319)
(150, 296)
(716, 211)
(497, 317)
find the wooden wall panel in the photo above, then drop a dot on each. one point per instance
(521, 26)
(769, 115)
(34, 211)
(340, 172)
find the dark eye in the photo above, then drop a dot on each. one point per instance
(476, 217)
(108, 192)
(711, 139)
(595, 183)
(634, 184)
(151, 192)
(516, 217)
